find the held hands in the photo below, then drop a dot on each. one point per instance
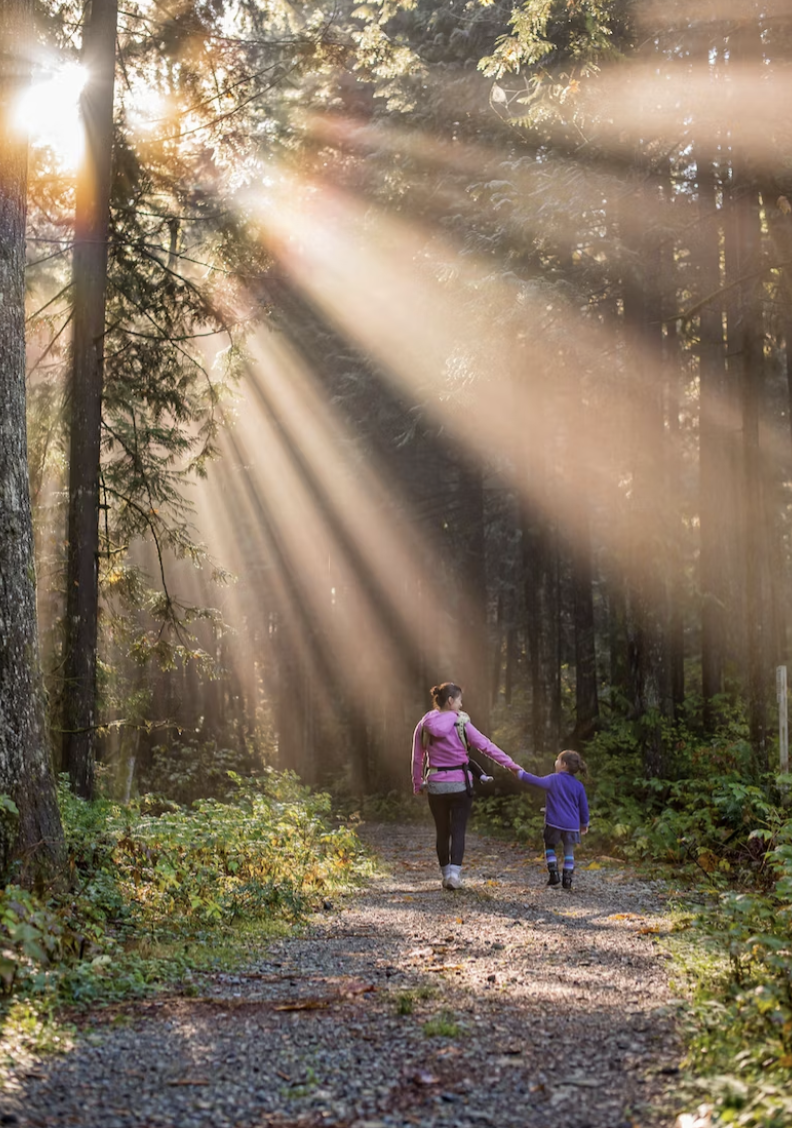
(584, 830)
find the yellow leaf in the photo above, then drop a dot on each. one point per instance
(593, 866)
(708, 861)
(784, 205)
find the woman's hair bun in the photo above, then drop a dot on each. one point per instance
(444, 692)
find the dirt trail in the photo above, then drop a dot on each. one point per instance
(506, 1003)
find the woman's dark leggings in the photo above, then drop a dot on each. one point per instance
(450, 813)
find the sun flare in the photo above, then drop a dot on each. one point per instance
(49, 111)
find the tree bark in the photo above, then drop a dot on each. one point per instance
(540, 580)
(586, 697)
(746, 356)
(714, 464)
(89, 294)
(747, 349)
(25, 769)
(473, 641)
(648, 612)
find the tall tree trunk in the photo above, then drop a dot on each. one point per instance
(747, 347)
(746, 354)
(90, 279)
(714, 465)
(621, 666)
(648, 619)
(586, 697)
(473, 644)
(25, 768)
(497, 653)
(511, 663)
(540, 579)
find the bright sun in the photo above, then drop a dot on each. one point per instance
(49, 112)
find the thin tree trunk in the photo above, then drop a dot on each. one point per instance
(675, 585)
(648, 619)
(586, 697)
(621, 678)
(747, 348)
(540, 579)
(90, 279)
(511, 663)
(746, 354)
(473, 644)
(497, 653)
(714, 465)
(25, 769)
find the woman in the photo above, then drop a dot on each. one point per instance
(441, 765)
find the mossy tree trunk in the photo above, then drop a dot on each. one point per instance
(25, 768)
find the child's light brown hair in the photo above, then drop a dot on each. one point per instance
(573, 762)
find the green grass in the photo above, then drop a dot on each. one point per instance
(443, 1025)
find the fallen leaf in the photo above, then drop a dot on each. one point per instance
(708, 861)
(190, 1081)
(319, 1003)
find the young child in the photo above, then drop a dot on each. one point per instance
(566, 813)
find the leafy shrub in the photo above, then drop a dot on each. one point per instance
(196, 770)
(153, 874)
(742, 1034)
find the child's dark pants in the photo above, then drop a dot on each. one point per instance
(450, 813)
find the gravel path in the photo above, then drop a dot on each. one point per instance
(506, 1003)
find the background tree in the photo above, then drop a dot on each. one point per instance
(25, 772)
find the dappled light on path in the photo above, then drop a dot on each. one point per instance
(505, 1004)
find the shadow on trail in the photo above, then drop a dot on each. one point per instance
(500, 1004)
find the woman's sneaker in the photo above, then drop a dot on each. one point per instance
(445, 876)
(454, 879)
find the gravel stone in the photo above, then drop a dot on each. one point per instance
(560, 1003)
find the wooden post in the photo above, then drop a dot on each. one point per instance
(783, 719)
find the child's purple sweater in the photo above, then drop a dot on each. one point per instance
(567, 806)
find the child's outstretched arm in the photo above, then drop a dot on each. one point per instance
(535, 781)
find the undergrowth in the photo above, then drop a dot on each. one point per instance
(157, 890)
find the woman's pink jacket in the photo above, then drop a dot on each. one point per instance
(445, 747)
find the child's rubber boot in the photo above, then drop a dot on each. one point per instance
(566, 880)
(454, 880)
(553, 878)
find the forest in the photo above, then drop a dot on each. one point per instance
(351, 347)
